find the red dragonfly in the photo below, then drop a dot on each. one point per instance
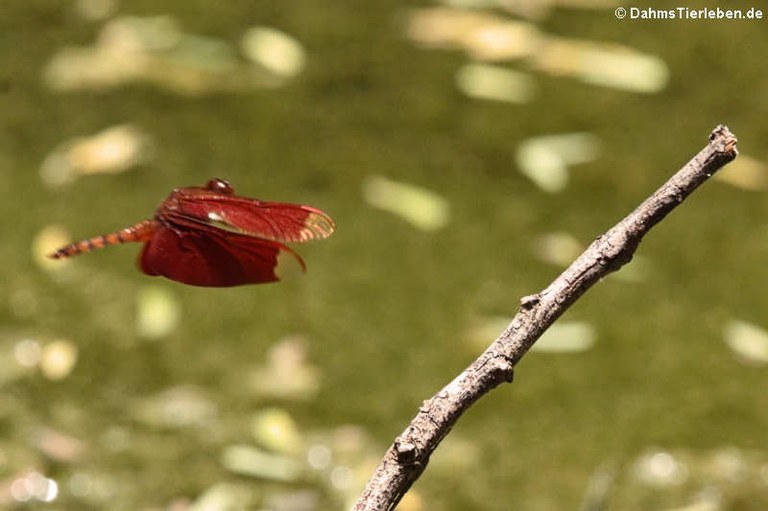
(208, 236)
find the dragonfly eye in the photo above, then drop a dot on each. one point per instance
(221, 186)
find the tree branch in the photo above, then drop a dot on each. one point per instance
(408, 456)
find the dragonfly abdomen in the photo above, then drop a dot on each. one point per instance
(140, 232)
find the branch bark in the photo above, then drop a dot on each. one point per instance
(408, 456)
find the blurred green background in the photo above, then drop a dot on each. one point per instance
(126, 392)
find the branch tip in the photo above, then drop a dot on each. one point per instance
(724, 141)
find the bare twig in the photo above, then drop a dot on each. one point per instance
(408, 456)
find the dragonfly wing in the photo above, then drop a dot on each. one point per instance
(202, 258)
(277, 221)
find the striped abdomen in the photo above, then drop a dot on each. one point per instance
(140, 232)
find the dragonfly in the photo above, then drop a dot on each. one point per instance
(209, 236)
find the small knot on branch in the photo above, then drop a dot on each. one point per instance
(529, 302)
(502, 369)
(406, 452)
